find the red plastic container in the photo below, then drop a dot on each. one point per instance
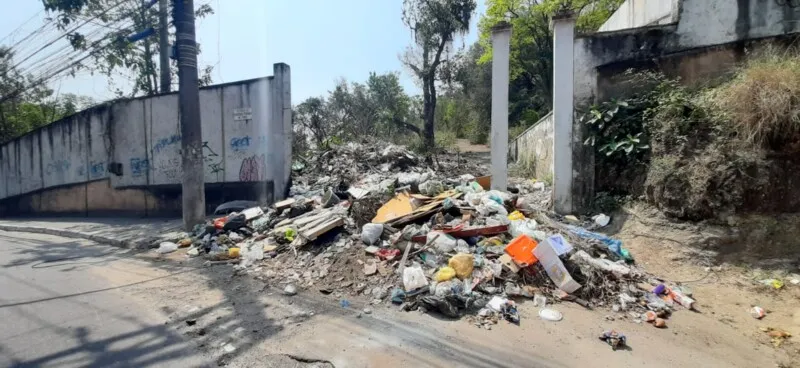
(521, 250)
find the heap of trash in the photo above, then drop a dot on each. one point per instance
(377, 222)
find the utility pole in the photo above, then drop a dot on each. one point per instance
(163, 46)
(193, 188)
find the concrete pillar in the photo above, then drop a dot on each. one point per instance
(501, 43)
(282, 129)
(563, 108)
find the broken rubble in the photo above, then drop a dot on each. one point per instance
(356, 208)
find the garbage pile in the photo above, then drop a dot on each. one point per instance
(375, 221)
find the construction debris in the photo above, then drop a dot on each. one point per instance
(377, 222)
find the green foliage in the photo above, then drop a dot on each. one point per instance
(531, 63)
(116, 54)
(434, 26)
(615, 128)
(380, 107)
(21, 112)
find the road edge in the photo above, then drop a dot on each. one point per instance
(142, 244)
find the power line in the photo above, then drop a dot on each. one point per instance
(56, 72)
(70, 31)
(21, 25)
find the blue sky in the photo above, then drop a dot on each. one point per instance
(322, 41)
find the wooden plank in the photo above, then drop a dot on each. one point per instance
(323, 228)
(286, 203)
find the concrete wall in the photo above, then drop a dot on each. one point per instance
(641, 13)
(702, 24)
(64, 167)
(534, 147)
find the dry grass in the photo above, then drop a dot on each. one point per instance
(763, 100)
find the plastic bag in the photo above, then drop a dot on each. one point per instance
(522, 227)
(473, 198)
(463, 264)
(491, 206)
(370, 233)
(414, 278)
(167, 247)
(444, 243)
(445, 274)
(516, 215)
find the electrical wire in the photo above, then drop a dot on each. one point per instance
(53, 73)
(21, 25)
(69, 32)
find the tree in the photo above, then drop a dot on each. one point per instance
(433, 25)
(531, 64)
(113, 51)
(312, 117)
(26, 106)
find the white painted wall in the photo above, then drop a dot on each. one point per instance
(535, 147)
(641, 13)
(144, 135)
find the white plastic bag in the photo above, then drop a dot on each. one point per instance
(444, 243)
(370, 233)
(167, 247)
(525, 226)
(414, 278)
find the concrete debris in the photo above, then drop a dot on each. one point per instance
(374, 222)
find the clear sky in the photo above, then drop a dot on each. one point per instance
(322, 40)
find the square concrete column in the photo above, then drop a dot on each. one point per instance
(501, 44)
(563, 109)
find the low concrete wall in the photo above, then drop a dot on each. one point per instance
(701, 24)
(534, 147)
(66, 167)
(641, 13)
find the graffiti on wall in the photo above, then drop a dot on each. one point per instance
(139, 166)
(170, 168)
(97, 169)
(212, 160)
(240, 143)
(163, 143)
(57, 167)
(254, 168)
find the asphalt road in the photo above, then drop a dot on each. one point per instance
(63, 303)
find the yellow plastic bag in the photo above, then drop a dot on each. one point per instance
(445, 274)
(463, 264)
(233, 252)
(516, 215)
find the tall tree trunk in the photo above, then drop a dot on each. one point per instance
(428, 111)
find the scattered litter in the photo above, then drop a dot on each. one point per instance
(371, 233)
(462, 264)
(778, 335)
(774, 283)
(445, 274)
(167, 247)
(414, 278)
(548, 314)
(758, 312)
(615, 339)
(372, 220)
(601, 220)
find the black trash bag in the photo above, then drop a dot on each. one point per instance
(448, 305)
(235, 222)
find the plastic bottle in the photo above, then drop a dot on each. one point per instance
(682, 299)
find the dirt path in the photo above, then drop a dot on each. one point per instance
(238, 320)
(261, 322)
